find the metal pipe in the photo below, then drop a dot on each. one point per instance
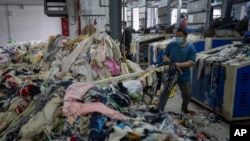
(123, 19)
(79, 17)
(8, 21)
(72, 17)
(115, 19)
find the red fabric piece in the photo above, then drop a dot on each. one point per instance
(12, 84)
(7, 76)
(19, 109)
(10, 80)
(95, 22)
(72, 139)
(192, 113)
(25, 91)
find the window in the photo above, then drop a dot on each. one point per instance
(216, 13)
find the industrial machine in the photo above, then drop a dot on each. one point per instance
(221, 83)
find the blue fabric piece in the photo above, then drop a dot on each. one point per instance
(100, 122)
(97, 127)
(65, 84)
(121, 125)
(182, 54)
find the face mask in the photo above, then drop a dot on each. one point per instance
(179, 40)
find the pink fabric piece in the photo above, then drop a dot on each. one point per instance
(76, 108)
(72, 107)
(113, 67)
(95, 68)
(77, 91)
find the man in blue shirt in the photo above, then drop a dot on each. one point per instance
(183, 54)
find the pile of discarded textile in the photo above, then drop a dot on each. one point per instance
(95, 58)
(64, 101)
(47, 110)
(28, 52)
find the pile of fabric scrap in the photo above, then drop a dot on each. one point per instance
(76, 111)
(28, 52)
(61, 102)
(95, 58)
(87, 112)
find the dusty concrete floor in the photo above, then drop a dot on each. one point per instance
(219, 130)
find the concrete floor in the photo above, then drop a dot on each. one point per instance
(218, 130)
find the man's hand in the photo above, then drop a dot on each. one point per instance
(178, 65)
(165, 58)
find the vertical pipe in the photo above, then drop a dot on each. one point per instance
(115, 19)
(178, 22)
(72, 16)
(123, 18)
(8, 21)
(78, 15)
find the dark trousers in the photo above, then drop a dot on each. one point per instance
(186, 92)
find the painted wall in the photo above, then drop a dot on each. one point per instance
(92, 7)
(26, 22)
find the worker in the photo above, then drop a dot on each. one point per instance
(184, 22)
(183, 54)
(126, 39)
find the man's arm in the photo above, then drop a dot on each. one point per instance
(165, 58)
(184, 64)
(191, 59)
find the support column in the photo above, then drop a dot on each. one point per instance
(178, 22)
(115, 19)
(72, 17)
(209, 14)
(168, 13)
(227, 6)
